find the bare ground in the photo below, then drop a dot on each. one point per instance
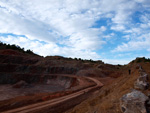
(8, 92)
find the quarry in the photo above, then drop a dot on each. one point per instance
(74, 56)
(35, 84)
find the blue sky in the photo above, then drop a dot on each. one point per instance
(115, 31)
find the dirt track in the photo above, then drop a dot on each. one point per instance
(42, 105)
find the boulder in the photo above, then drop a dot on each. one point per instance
(141, 82)
(134, 102)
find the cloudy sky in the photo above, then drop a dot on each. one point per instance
(115, 31)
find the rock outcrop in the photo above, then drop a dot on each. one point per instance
(134, 102)
(142, 81)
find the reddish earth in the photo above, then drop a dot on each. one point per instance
(31, 83)
(107, 99)
(42, 105)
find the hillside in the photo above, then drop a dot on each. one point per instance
(27, 78)
(44, 78)
(107, 100)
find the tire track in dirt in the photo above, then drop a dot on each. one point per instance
(41, 105)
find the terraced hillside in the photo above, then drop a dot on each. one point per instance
(32, 83)
(27, 78)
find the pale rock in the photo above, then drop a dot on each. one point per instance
(134, 102)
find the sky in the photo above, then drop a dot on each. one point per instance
(115, 31)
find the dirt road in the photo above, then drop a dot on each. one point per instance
(42, 105)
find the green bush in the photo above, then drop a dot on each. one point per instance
(143, 59)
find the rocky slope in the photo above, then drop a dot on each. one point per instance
(14, 62)
(122, 94)
(23, 70)
(31, 78)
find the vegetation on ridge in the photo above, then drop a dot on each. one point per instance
(15, 47)
(140, 59)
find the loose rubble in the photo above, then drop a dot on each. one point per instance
(136, 101)
(142, 82)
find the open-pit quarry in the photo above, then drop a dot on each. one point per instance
(36, 84)
(49, 89)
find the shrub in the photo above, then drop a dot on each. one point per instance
(14, 47)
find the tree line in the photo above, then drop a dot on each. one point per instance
(15, 47)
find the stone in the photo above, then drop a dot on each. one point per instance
(134, 102)
(141, 82)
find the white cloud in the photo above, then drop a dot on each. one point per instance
(139, 36)
(141, 43)
(103, 28)
(118, 27)
(19, 25)
(49, 48)
(117, 61)
(127, 37)
(70, 23)
(63, 18)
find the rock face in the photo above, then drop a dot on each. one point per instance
(62, 81)
(134, 102)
